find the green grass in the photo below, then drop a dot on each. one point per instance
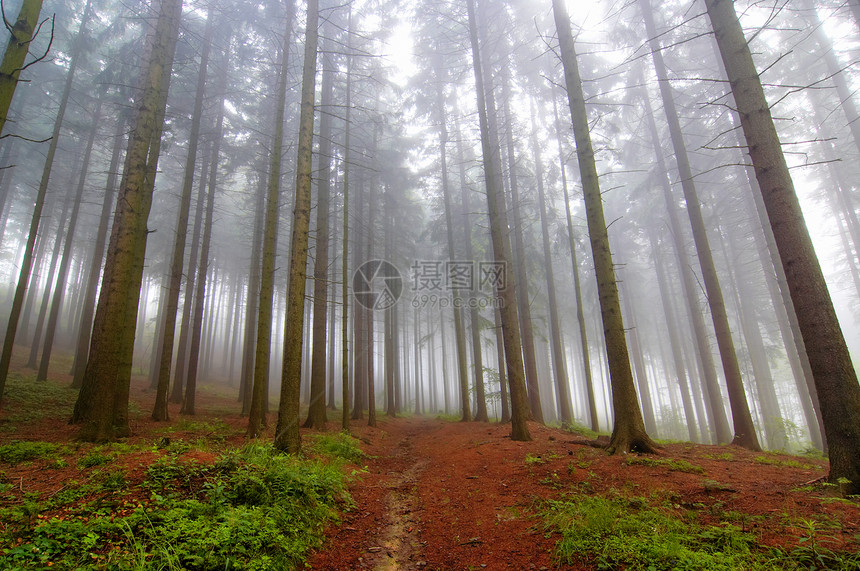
(28, 401)
(253, 508)
(26, 451)
(631, 533)
(673, 464)
(339, 445)
(771, 460)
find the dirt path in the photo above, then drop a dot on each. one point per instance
(462, 496)
(432, 499)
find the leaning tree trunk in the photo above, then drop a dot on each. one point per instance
(719, 424)
(506, 291)
(744, 429)
(832, 369)
(628, 432)
(287, 435)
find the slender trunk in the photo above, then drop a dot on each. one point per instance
(506, 290)
(459, 330)
(203, 265)
(49, 282)
(316, 411)
(262, 345)
(287, 437)
(559, 368)
(628, 432)
(188, 303)
(744, 430)
(674, 341)
(159, 412)
(500, 358)
(719, 426)
(344, 373)
(59, 289)
(577, 286)
(89, 302)
(520, 259)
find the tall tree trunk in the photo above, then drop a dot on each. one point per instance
(833, 371)
(188, 303)
(474, 314)
(559, 369)
(520, 259)
(500, 357)
(165, 349)
(257, 415)
(253, 298)
(59, 289)
(203, 265)
(344, 270)
(719, 426)
(50, 281)
(316, 411)
(506, 290)
(287, 435)
(99, 406)
(577, 285)
(674, 341)
(628, 432)
(89, 301)
(21, 35)
(639, 366)
(744, 429)
(459, 330)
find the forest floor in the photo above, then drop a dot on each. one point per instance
(433, 493)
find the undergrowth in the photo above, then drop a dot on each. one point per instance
(253, 508)
(631, 533)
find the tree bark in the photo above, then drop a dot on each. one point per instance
(99, 406)
(59, 289)
(628, 433)
(257, 415)
(833, 371)
(13, 59)
(316, 411)
(287, 437)
(744, 429)
(506, 290)
(159, 412)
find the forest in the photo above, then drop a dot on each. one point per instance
(249, 243)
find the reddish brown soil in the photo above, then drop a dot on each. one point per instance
(443, 495)
(446, 495)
